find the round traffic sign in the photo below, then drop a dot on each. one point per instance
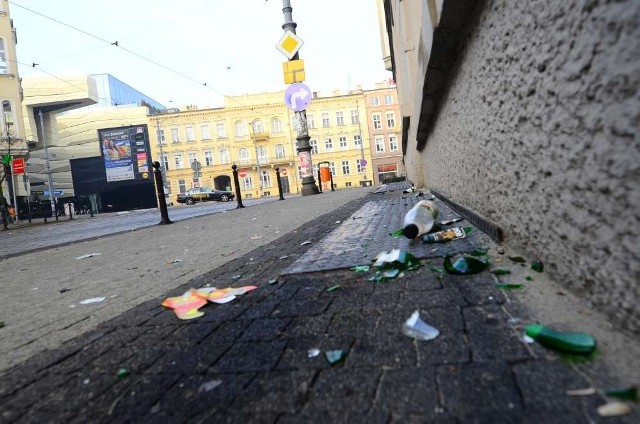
(284, 172)
(242, 173)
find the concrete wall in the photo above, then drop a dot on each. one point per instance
(538, 132)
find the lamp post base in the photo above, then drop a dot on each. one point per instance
(309, 186)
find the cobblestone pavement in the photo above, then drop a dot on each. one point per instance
(249, 360)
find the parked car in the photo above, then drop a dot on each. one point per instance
(204, 194)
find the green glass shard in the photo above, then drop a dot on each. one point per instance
(334, 356)
(537, 266)
(528, 278)
(360, 268)
(567, 342)
(501, 271)
(334, 288)
(518, 259)
(629, 393)
(467, 229)
(464, 265)
(273, 280)
(122, 373)
(481, 251)
(397, 233)
(436, 269)
(390, 273)
(509, 286)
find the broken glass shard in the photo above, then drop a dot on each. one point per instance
(418, 329)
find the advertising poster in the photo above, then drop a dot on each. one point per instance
(125, 152)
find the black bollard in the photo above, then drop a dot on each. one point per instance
(70, 212)
(319, 181)
(91, 209)
(332, 189)
(55, 207)
(279, 183)
(44, 215)
(29, 210)
(162, 202)
(236, 183)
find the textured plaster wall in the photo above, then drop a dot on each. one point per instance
(539, 133)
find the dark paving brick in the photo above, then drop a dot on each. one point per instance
(38, 416)
(296, 354)
(479, 289)
(448, 296)
(478, 391)
(259, 310)
(227, 332)
(422, 418)
(307, 326)
(355, 387)
(490, 335)
(295, 307)
(134, 358)
(194, 359)
(408, 390)
(248, 357)
(351, 324)
(383, 349)
(194, 395)
(265, 329)
(76, 392)
(336, 416)
(284, 392)
(380, 301)
(32, 393)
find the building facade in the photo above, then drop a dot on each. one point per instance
(528, 114)
(385, 129)
(12, 133)
(255, 132)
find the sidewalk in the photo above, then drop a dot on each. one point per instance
(248, 360)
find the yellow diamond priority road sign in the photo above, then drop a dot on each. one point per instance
(289, 44)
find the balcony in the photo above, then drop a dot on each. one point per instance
(261, 136)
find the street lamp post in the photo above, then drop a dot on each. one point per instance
(300, 120)
(46, 157)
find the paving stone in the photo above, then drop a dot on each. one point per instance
(265, 329)
(351, 324)
(410, 418)
(259, 310)
(189, 360)
(296, 354)
(227, 332)
(194, 395)
(335, 415)
(248, 357)
(355, 387)
(479, 289)
(408, 390)
(383, 350)
(76, 392)
(473, 392)
(294, 307)
(490, 335)
(193, 332)
(448, 296)
(283, 392)
(29, 395)
(381, 301)
(135, 358)
(307, 326)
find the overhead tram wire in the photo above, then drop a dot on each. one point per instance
(116, 44)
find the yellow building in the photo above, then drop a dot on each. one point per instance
(12, 133)
(255, 132)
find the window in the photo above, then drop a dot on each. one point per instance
(314, 146)
(221, 131)
(224, 156)
(345, 167)
(175, 138)
(339, 118)
(4, 65)
(177, 160)
(241, 130)
(359, 166)
(161, 137)
(243, 154)
(391, 120)
(314, 169)
(193, 156)
(262, 154)
(388, 99)
(7, 123)
(208, 157)
(164, 160)
(205, 132)
(325, 120)
(328, 144)
(377, 121)
(357, 140)
(393, 143)
(347, 184)
(375, 101)
(276, 125)
(257, 126)
(355, 116)
(332, 168)
(280, 153)
(265, 179)
(379, 144)
(191, 133)
(343, 142)
(311, 123)
(182, 186)
(247, 183)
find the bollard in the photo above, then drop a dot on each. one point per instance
(29, 210)
(70, 212)
(279, 183)
(55, 207)
(91, 210)
(319, 181)
(332, 189)
(44, 215)
(236, 182)
(162, 202)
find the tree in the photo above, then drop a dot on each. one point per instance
(6, 140)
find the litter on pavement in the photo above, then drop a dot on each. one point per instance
(312, 353)
(187, 306)
(418, 329)
(209, 385)
(88, 255)
(93, 300)
(582, 392)
(334, 356)
(465, 265)
(613, 409)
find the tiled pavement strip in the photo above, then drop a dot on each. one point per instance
(247, 361)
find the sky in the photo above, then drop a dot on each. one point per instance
(228, 44)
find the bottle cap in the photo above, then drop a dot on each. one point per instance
(411, 231)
